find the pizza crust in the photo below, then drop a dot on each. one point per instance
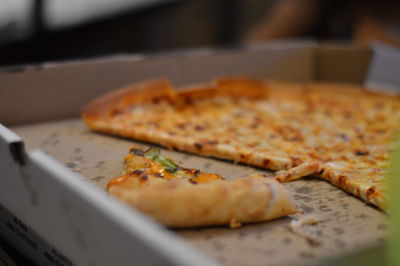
(178, 203)
(114, 102)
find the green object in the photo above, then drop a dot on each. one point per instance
(154, 154)
(169, 164)
(394, 207)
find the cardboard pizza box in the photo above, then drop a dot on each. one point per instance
(54, 170)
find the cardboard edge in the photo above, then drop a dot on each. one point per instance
(341, 63)
(174, 53)
(43, 192)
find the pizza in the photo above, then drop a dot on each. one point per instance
(337, 132)
(185, 197)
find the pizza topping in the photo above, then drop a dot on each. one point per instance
(136, 152)
(154, 155)
(199, 128)
(152, 162)
(344, 137)
(361, 152)
(198, 146)
(137, 162)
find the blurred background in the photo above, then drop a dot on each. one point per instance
(34, 31)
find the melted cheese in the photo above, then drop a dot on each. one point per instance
(349, 135)
(139, 171)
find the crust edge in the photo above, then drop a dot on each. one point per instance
(115, 101)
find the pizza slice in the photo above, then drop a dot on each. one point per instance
(185, 197)
(340, 133)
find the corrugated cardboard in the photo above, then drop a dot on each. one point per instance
(345, 222)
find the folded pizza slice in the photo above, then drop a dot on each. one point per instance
(185, 197)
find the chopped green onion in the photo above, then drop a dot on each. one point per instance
(169, 164)
(154, 154)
